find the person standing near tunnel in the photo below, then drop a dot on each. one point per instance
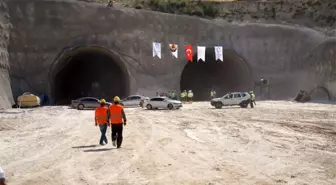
(190, 96)
(101, 119)
(117, 119)
(252, 101)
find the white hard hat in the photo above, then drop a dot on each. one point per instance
(2, 174)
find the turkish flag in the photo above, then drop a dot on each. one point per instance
(189, 53)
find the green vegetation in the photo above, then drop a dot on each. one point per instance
(306, 12)
(189, 7)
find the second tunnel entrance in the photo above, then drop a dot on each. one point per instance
(233, 74)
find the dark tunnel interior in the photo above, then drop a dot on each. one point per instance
(231, 75)
(89, 73)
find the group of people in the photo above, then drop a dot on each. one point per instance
(111, 116)
(169, 94)
(187, 96)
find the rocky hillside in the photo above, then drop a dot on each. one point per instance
(309, 13)
(5, 90)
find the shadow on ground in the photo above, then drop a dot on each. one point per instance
(85, 146)
(99, 150)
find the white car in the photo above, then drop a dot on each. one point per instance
(162, 103)
(132, 101)
(235, 98)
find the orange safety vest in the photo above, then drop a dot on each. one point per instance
(101, 115)
(116, 114)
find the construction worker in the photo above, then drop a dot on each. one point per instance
(2, 177)
(252, 101)
(212, 94)
(142, 101)
(117, 118)
(190, 96)
(183, 96)
(101, 119)
(173, 95)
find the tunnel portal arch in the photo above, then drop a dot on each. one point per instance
(233, 74)
(92, 71)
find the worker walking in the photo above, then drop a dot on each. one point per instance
(101, 119)
(190, 96)
(117, 118)
(252, 101)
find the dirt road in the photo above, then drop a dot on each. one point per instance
(275, 143)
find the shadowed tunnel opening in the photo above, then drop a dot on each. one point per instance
(233, 74)
(89, 71)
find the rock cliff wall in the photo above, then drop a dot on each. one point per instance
(292, 57)
(6, 97)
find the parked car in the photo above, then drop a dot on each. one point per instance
(86, 103)
(162, 103)
(234, 98)
(28, 100)
(132, 101)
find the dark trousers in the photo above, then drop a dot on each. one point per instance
(117, 133)
(103, 129)
(252, 102)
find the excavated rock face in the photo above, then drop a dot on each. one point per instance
(6, 97)
(72, 49)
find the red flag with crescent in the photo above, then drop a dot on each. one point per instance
(189, 52)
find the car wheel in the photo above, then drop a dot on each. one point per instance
(170, 106)
(149, 107)
(243, 104)
(80, 107)
(218, 105)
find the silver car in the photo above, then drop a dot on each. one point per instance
(133, 101)
(86, 103)
(162, 102)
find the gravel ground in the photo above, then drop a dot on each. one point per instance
(277, 142)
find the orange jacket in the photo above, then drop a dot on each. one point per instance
(116, 114)
(101, 115)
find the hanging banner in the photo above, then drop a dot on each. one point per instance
(157, 49)
(219, 53)
(173, 49)
(189, 55)
(201, 53)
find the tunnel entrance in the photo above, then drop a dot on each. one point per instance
(88, 72)
(233, 74)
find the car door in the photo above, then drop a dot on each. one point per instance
(155, 102)
(135, 100)
(91, 103)
(229, 100)
(237, 98)
(126, 101)
(162, 103)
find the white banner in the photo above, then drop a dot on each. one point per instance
(173, 49)
(157, 49)
(201, 53)
(219, 53)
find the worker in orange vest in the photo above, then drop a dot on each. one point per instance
(117, 118)
(101, 119)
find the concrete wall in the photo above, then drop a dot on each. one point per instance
(42, 29)
(6, 98)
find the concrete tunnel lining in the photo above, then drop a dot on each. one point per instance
(233, 74)
(88, 71)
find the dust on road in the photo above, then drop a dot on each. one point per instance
(275, 143)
